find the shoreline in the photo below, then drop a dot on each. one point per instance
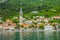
(28, 30)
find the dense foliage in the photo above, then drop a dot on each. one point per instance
(46, 8)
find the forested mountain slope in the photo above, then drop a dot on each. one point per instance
(11, 8)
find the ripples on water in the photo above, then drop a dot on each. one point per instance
(38, 35)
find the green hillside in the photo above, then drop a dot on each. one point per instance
(11, 8)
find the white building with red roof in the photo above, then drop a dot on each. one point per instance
(56, 17)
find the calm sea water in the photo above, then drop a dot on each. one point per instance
(41, 35)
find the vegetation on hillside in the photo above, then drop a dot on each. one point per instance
(47, 8)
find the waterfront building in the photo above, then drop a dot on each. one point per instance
(48, 27)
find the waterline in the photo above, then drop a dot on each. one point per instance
(28, 30)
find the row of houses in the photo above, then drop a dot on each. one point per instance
(39, 20)
(27, 23)
(7, 25)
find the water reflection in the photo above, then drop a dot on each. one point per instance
(7, 36)
(17, 36)
(42, 35)
(52, 35)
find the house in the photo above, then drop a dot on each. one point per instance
(46, 19)
(42, 19)
(8, 21)
(12, 26)
(28, 21)
(56, 17)
(48, 27)
(25, 25)
(9, 25)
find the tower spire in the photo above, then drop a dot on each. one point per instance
(21, 14)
